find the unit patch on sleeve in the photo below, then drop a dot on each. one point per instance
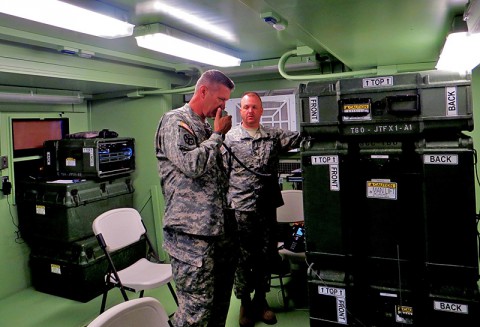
(187, 136)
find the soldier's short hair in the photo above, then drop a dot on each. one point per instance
(212, 77)
(250, 93)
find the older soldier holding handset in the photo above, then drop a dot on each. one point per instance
(199, 233)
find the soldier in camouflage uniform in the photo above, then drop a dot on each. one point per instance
(255, 197)
(199, 233)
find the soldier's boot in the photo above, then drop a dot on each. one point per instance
(263, 311)
(246, 318)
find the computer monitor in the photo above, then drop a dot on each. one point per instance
(28, 134)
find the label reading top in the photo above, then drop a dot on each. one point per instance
(377, 81)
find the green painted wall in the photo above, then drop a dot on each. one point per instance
(135, 118)
(138, 118)
(14, 270)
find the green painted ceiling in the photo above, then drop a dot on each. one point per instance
(361, 34)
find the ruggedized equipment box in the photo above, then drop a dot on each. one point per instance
(76, 270)
(63, 211)
(89, 158)
(398, 105)
(391, 224)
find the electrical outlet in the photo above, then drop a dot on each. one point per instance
(3, 162)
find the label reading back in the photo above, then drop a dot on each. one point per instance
(451, 101)
(450, 307)
(440, 159)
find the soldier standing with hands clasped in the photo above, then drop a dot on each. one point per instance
(254, 194)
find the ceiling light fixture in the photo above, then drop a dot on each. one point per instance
(147, 7)
(67, 16)
(461, 49)
(160, 38)
(41, 98)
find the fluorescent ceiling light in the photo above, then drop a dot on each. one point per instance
(164, 39)
(147, 7)
(41, 98)
(461, 52)
(67, 16)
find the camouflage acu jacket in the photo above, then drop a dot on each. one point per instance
(261, 154)
(193, 178)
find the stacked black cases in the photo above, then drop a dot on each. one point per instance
(76, 270)
(55, 219)
(451, 260)
(63, 211)
(389, 201)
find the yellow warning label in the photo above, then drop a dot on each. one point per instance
(358, 106)
(55, 269)
(382, 184)
(382, 190)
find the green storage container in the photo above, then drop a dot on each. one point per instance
(63, 211)
(76, 270)
(385, 106)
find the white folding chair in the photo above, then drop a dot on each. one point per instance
(117, 229)
(145, 312)
(290, 212)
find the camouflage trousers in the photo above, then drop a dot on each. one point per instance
(258, 250)
(203, 270)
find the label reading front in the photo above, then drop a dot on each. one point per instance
(341, 301)
(55, 269)
(450, 307)
(333, 169)
(440, 159)
(40, 210)
(382, 190)
(451, 101)
(334, 178)
(313, 104)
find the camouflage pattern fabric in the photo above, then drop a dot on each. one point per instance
(261, 154)
(204, 280)
(255, 199)
(193, 178)
(198, 234)
(257, 249)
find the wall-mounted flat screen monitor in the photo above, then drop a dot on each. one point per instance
(29, 134)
